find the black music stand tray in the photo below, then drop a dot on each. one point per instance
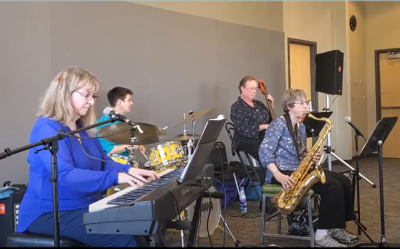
(374, 145)
(314, 127)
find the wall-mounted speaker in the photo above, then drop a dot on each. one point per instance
(329, 72)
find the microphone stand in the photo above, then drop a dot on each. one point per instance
(52, 145)
(356, 185)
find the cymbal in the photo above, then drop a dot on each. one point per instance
(186, 137)
(123, 132)
(192, 117)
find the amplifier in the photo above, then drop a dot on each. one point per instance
(218, 156)
(9, 208)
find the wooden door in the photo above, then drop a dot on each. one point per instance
(300, 71)
(390, 101)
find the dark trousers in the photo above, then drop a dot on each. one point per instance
(71, 226)
(336, 205)
(252, 149)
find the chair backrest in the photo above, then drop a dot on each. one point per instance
(230, 129)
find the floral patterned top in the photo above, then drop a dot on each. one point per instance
(247, 120)
(278, 147)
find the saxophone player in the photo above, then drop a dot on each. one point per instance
(281, 151)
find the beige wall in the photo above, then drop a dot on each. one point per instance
(324, 23)
(267, 15)
(382, 31)
(358, 85)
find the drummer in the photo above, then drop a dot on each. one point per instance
(120, 99)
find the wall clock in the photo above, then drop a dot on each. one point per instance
(353, 22)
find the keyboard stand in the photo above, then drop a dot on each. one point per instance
(159, 240)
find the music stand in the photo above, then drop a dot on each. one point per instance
(315, 126)
(374, 145)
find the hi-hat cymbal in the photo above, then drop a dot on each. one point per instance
(192, 117)
(186, 137)
(123, 132)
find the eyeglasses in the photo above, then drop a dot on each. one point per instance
(88, 96)
(301, 102)
(253, 89)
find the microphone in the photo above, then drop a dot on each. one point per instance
(109, 112)
(347, 119)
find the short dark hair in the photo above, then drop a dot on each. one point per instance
(244, 80)
(117, 93)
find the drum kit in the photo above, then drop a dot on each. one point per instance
(173, 153)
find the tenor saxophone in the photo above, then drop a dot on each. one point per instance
(287, 200)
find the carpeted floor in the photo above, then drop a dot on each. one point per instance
(247, 229)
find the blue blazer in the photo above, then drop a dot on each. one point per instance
(82, 180)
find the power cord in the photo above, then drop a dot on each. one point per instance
(208, 217)
(175, 198)
(99, 159)
(120, 169)
(223, 186)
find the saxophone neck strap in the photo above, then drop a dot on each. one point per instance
(293, 132)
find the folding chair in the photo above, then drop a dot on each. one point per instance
(249, 171)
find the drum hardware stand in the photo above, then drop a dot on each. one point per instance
(131, 156)
(189, 144)
(191, 113)
(184, 125)
(185, 214)
(190, 148)
(221, 195)
(227, 231)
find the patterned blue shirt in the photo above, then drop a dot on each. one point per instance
(247, 120)
(278, 147)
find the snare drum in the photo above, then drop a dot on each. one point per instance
(124, 160)
(206, 205)
(166, 153)
(119, 159)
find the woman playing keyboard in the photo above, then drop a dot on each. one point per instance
(83, 175)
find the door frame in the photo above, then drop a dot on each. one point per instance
(378, 80)
(313, 53)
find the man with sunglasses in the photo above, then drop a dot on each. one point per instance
(120, 99)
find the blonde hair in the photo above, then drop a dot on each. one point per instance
(56, 102)
(291, 96)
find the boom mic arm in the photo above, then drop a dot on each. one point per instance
(109, 112)
(347, 119)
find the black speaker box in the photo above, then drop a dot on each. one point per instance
(329, 72)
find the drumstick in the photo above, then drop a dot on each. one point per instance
(145, 156)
